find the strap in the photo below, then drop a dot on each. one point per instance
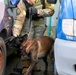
(43, 3)
(29, 24)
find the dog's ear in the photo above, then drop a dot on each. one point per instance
(25, 36)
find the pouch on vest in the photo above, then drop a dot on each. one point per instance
(52, 1)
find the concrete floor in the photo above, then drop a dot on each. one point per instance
(13, 61)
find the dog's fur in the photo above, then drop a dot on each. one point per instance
(14, 43)
(38, 48)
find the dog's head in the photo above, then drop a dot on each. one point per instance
(29, 45)
(15, 42)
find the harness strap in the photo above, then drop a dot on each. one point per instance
(43, 3)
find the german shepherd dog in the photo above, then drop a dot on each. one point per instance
(38, 48)
(14, 43)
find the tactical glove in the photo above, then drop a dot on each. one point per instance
(32, 10)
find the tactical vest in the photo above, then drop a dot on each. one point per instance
(34, 16)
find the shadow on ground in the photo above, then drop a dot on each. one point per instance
(11, 64)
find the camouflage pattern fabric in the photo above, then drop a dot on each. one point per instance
(19, 20)
(38, 27)
(25, 27)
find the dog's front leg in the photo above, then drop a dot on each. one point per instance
(29, 70)
(33, 63)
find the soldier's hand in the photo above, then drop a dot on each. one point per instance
(32, 10)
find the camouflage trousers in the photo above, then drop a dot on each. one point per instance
(37, 28)
(20, 27)
(25, 27)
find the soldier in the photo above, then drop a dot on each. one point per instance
(38, 26)
(21, 21)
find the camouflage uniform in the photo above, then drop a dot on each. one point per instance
(38, 27)
(19, 20)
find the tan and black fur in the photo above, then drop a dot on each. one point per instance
(38, 48)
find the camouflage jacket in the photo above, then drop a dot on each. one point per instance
(47, 11)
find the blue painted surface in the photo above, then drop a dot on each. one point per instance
(74, 8)
(68, 11)
(14, 2)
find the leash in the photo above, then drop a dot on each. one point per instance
(29, 24)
